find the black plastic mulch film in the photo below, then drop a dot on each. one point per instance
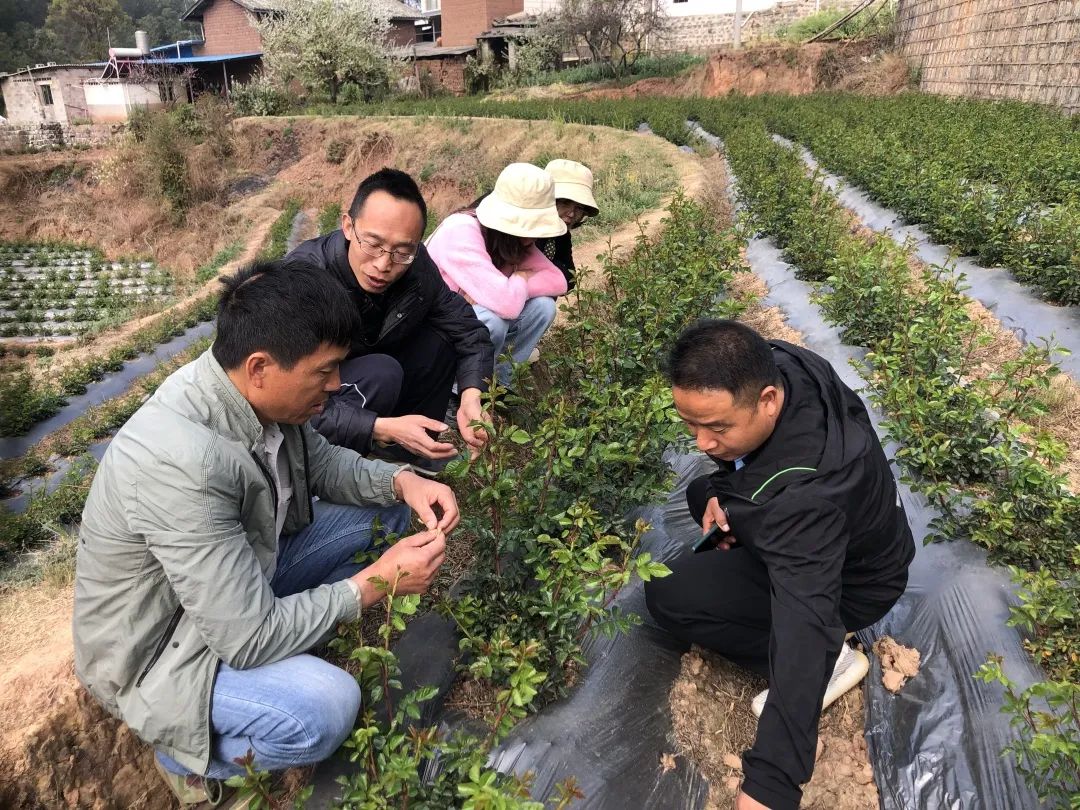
(935, 745)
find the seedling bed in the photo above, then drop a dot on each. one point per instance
(48, 292)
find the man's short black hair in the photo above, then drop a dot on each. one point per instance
(721, 355)
(394, 182)
(284, 308)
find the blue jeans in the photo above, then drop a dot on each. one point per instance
(521, 334)
(300, 710)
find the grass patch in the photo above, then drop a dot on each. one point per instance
(645, 68)
(329, 218)
(278, 242)
(221, 258)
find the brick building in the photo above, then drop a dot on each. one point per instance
(228, 26)
(464, 20)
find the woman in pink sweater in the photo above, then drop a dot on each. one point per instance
(487, 254)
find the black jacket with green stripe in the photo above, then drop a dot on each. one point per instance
(818, 505)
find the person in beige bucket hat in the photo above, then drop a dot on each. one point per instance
(487, 252)
(574, 201)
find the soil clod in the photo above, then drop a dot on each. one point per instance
(898, 663)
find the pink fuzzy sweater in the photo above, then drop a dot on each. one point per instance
(457, 247)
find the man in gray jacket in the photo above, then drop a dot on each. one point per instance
(206, 570)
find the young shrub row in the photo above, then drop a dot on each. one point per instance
(46, 513)
(278, 240)
(997, 181)
(549, 504)
(965, 439)
(24, 401)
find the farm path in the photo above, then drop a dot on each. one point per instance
(691, 172)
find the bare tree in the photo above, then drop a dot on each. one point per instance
(617, 32)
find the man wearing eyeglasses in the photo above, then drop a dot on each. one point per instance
(417, 338)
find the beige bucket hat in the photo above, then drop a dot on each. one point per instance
(573, 181)
(522, 204)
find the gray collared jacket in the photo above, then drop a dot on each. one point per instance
(177, 547)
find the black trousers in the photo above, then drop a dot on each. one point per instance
(721, 599)
(413, 377)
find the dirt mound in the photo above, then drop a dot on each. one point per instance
(58, 748)
(710, 707)
(78, 756)
(861, 67)
(645, 87)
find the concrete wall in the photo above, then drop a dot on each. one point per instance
(228, 28)
(702, 32)
(23, 96)
(463, 20)
(111, 100)
(701, 8)
(1020, 49)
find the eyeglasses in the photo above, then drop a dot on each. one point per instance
(376, 251)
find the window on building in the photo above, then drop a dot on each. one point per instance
(46, 94)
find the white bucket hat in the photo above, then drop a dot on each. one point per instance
(522, 204)
(573, 181)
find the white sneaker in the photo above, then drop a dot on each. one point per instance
(851, 667)
(534, 355)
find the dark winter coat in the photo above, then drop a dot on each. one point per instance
(419, 297)
(818, 506)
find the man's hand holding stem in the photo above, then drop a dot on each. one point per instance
(420, 555)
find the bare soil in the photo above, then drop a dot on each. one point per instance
(860, 67)
(58, 747)
(899, 664)
(710, 708)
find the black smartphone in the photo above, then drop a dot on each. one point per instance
(708, 541)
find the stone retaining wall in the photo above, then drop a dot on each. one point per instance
(1021, 49)
(34, 138)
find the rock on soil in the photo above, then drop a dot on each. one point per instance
(710, 706)
(898, 663)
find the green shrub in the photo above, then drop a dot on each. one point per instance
(260, 96)
(329, 218)
(879, 21)
(23, 402)
(1046, 717)
(336, 151)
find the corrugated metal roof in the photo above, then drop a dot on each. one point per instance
(45, 68)
(428, 50)
(194, 60)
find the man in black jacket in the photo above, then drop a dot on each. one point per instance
(814, 541)
(417, 337)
